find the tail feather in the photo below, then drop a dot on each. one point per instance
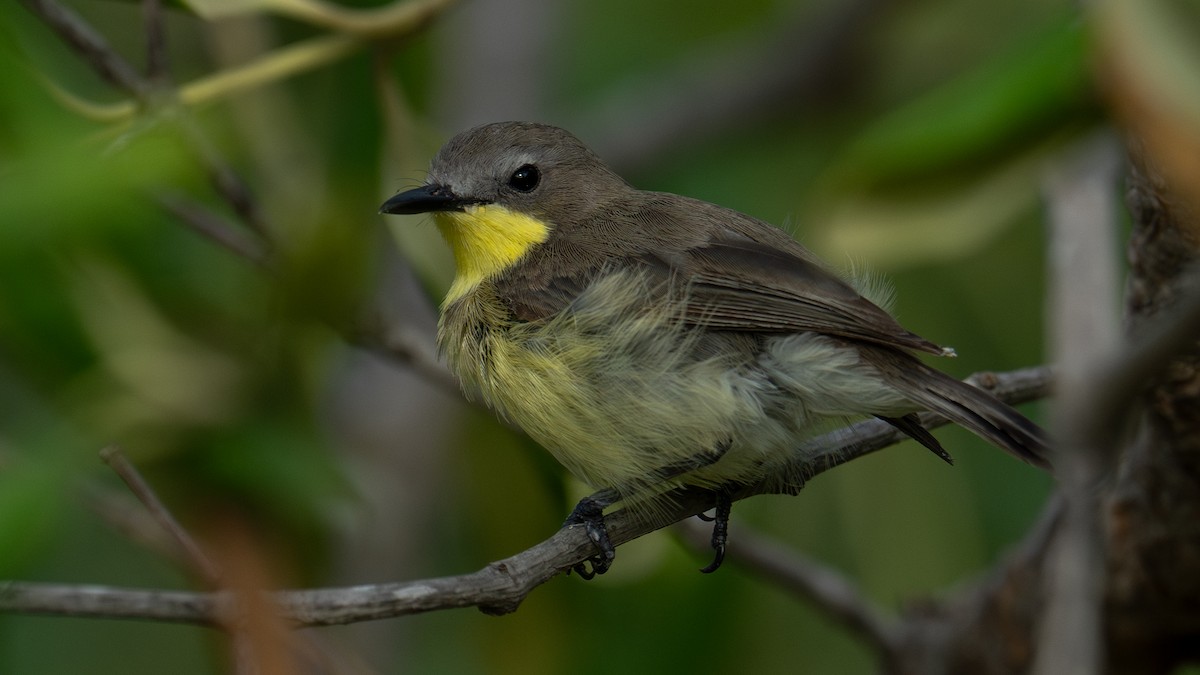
(911, 425)
(964, 404)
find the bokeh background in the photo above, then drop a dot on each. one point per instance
(908, 138)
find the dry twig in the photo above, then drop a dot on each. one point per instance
(121, 465)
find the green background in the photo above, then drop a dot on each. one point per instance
(281, 447)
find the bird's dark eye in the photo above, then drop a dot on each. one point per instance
(525, 179)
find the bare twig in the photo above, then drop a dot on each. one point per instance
(197, 217)
(818, 584)
(398, 18)
(113, 456)
(90, 45)
(227, 183)
(393, 20)
(77, 33)
(122, 513)
(376, 334)
(357, 29)
(496, 589)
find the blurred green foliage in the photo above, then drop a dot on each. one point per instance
(228, 384)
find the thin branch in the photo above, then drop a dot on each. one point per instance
(829, 591)
(90, 45)
(395, 19)
(195, 216)
(357, 29)
(121, 465)
(123, 514)
(227, 183)
(498, 588)
(96, 51)
(92, 601)
(373, 332)
(399, 18)
(406, 347)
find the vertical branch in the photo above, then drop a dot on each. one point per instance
(1084, 327)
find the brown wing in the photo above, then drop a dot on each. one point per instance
(740, 273)
(741, 284)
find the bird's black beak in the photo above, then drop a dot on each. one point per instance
(426, 199)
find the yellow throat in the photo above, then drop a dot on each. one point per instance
(486, 240)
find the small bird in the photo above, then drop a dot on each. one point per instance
(650, 340)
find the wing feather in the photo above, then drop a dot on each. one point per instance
(738, 273)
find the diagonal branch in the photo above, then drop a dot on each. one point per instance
(133, 479)
(824, 587)
(90, 45)
(197, 217)
(376, 334)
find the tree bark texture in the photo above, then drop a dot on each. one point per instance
(1150, 501)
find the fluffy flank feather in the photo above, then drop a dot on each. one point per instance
(872, 285)
(618, 387)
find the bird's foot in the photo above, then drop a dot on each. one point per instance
(589, 512)
(720, 533)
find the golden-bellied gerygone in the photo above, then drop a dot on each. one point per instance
(650, 340)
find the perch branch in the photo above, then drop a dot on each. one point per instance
(498, 588)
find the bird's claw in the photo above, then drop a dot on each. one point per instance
(589, 512)
(720, 533)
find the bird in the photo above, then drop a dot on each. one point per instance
(650, 340)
